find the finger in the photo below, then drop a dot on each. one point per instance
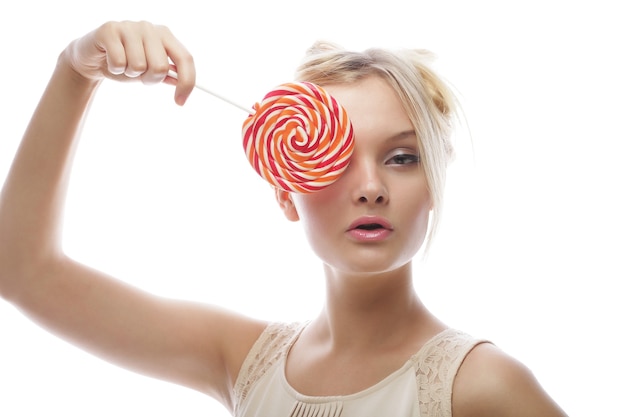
(115, 58)
(183, 65)
(156, 57)
(132, 38)
(108, 41)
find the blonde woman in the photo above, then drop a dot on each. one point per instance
(374, 350)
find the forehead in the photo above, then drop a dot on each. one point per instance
(373, 107)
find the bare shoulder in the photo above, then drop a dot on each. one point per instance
(492, 383)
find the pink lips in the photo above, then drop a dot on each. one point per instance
(370, 229)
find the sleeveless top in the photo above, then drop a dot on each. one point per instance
(422, 387)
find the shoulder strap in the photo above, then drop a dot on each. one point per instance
(436, 366)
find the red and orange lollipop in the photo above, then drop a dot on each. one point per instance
(299, 138)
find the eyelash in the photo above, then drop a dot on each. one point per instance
(408, 159)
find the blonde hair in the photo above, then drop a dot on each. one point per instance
(426, 98)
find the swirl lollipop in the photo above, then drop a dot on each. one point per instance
(299, 138)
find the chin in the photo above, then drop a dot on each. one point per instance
(369, 266)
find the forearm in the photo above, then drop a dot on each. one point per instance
(32, 199)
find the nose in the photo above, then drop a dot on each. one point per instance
(369, 184)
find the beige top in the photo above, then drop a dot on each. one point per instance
(422, 387)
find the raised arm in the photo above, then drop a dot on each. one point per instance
(197, 346)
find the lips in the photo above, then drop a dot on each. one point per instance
(370, 223)
(370, 229)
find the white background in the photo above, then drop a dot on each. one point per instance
(531, 254)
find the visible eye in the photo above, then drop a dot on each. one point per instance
(403, 159)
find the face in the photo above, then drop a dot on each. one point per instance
(375, 216)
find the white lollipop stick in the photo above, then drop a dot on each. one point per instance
(213, 93)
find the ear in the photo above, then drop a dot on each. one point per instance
(286, 204)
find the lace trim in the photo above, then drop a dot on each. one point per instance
(269, 347)
(436, 366)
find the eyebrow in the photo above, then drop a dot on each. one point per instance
(403, 135)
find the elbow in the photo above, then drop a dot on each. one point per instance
(8, 278)
(11, 274)
(20, 269)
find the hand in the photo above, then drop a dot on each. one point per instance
(133, 51)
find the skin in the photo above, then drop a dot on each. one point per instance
(371, 315)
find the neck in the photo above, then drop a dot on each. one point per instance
(369, 311)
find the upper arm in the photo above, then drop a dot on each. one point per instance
(191, 344)
(491, 383)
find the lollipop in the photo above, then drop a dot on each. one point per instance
(299, 138)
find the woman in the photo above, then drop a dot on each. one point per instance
(374, 349)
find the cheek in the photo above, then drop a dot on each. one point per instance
(420, 214)
(317, 204)
(311, 210)
(318, 214)
(416, 212)
(417, 222)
